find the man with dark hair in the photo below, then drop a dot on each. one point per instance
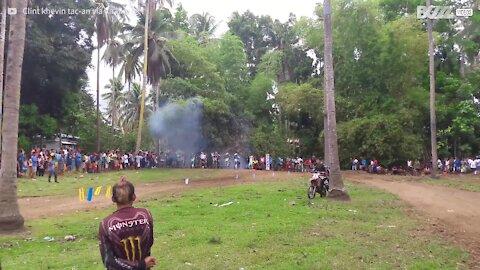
(126, 236)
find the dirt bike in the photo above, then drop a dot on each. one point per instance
(319, 183)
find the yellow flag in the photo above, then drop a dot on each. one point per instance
(98, 190)
(81, 194)
(108, 193)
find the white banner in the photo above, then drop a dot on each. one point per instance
(267, 162)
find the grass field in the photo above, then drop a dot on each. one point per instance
(463, 182)
(263, 229)
(70, 183)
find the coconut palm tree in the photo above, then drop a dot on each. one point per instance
(112, 56)
(433, 117)
(130, 111)
(110, 14)
(331, 148)
(160, 57)
(10, 217)
(115, 99)
(149, 6)
(203, 26)
(131, 65)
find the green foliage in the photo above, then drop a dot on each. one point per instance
(180, 21)
(32, 123)
(229, 56)
(196, 67)
(255, 97)
(268, 139)
(295, 100)
(257, 82)
(384, 137)
(57, 53)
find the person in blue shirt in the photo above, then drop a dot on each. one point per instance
(364, 164)
(78, 160)
(51, 168)
(34, 165)
(61, 163)
(21, 160)
(69, 162)
(458, 164)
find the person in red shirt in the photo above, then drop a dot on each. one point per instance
(126, 236)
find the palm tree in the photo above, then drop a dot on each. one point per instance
(130, 111)
(203, 26)
(131, 66)
(112, 56)
(115, 99)
(433, 118)
(3, 27)
(10, 217)
(149, 7)
(111, 14)
(160, 57)
(338, 190)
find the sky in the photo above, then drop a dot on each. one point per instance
(221, 10)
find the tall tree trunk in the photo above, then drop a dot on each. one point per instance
(98, 94)
(10, 217)
(325, 125)
(3, 27)
(155, 108)
(114, 102)
(433, 118)
(338, 190)
(144, 82)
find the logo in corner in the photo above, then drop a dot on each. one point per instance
(12, 11)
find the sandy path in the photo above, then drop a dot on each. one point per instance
(40, 207)
(454, 213)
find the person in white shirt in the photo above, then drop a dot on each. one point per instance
(355, 164)
(473, 165)
(477, 164)
(107, 162)
(125, 161)
(138, 160)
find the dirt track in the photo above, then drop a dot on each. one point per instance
(39, 207)
(450, 212)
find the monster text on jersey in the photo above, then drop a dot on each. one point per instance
(128, 224)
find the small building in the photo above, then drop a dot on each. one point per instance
(60, 141)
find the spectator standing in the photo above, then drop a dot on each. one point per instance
(51, 168)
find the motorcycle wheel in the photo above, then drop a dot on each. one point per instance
(312, 192)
